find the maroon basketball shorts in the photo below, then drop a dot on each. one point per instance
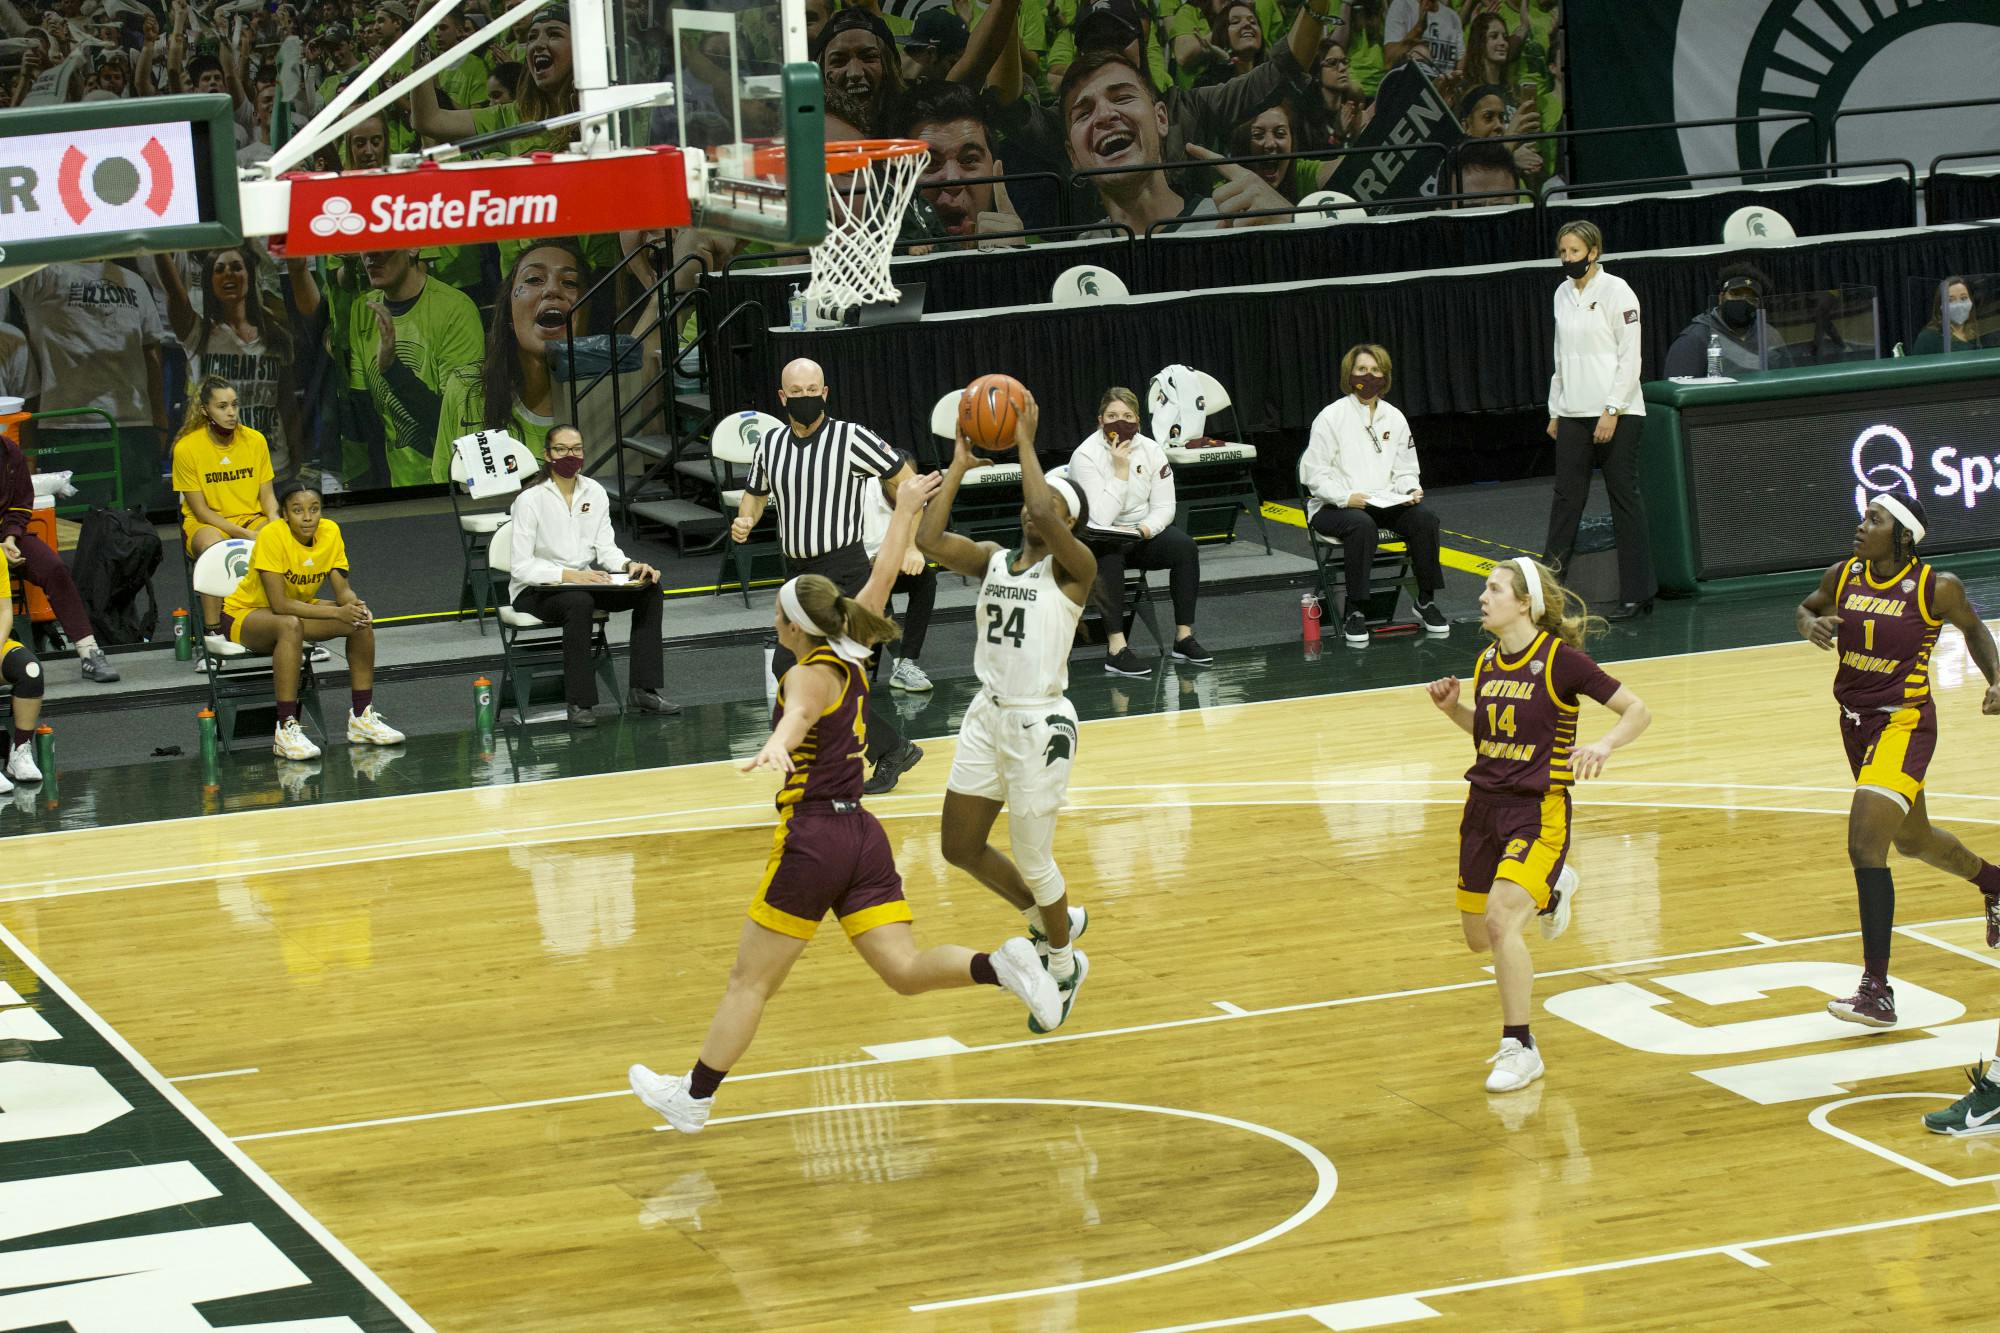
(829, 856)
(1524, 839)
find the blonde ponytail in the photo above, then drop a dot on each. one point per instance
(1564, 614)
(835, 613)
(863, 625)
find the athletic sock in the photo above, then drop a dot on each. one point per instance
(1062, 963)
(287, 711)
(1519, 1032)
(1033, 916)
(86, 645)
(22, 738)
(1988, 879)
(703, 1081)
(363, 701)
(1876, 888)
(982, 970)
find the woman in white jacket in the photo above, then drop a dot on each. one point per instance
(1128, 486)
(563, 561)
(1360, 476)
(1596, 413)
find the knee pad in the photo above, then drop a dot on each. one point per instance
(23, 673)
(1039, 872)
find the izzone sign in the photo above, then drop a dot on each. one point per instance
(545, 195)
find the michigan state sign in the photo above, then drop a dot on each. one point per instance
(1687, 60)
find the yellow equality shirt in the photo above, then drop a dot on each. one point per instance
(303, 568)
(7, 596)
(228, 476)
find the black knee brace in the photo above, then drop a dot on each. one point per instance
(23, 673)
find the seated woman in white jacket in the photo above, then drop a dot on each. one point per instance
(1360, 475)
(1128, 486)
(561, 572)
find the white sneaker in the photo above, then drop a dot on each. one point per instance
(318, 654)
(1021, 972)
(1079, 921)
(368, 728)
(669, 1096)
(1068, 992)
(5, 786)
(21, 765)
(909, 676)
(291, 742)
(1556, 920)
(1514, 1066)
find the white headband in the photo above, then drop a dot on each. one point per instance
(1901, 513)
(1061, 486)
(1526, 565)
(843, 647)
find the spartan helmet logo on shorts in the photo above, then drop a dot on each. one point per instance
(1062, 739)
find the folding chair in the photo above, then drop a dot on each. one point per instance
(529, 659)
(1207, 480)
(237, 677)
(1387, 573)
(476, 525)
(730, 451)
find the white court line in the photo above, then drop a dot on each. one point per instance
(1327, 1180)
(257, 1176)
(1821, 1120)
(1916, 933)
(1608, 1266)
(1235, 1010)
(1757, 936)
(1747, 1259)
(1054, 1038)
(220, 1073)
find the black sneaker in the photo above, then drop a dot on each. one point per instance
(1434, 621)
(890, 768)
(1190, 650)
(1125, 662)
(652, 701)
(1355, 629)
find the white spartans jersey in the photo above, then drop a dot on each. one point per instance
(1024, 626)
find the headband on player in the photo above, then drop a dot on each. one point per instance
(1526, 565)
(843, 647)
(1901, 513)
(1062, 486)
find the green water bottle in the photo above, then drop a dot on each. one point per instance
(183, 645)
(205, 719)
(45, 759)
(482, 704)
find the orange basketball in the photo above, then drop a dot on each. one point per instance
(989, 410)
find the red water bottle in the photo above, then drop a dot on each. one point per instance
(1309, 617)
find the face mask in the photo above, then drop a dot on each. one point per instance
(1121, 431)
(1737, 312)
(1960, 311)
(1574, 269)
(1369, 387)
(566, 467)
(805, 410)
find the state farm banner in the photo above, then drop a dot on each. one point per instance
(459, 205)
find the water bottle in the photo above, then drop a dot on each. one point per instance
(183, 645)
(798, 309)
(45, 750)
(1309, 617)
(1715, 356)
(482, 704)
(205, 720)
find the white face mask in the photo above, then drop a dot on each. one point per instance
(1960, 311)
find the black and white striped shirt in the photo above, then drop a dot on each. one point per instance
(818, 483)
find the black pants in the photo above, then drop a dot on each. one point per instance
(573, 606)
(921, 592)
(1169, 549)
(1576, 455)
(848, 569)
(1359, 530)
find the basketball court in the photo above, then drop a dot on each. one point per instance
(1266, 1111)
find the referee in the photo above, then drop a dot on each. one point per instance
(818, 470)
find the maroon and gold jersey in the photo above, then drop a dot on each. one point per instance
(1887, 631)
(1524, 715)
(829, 760)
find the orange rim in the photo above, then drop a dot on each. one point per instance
(845, 155)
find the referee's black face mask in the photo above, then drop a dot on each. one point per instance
(804, 409)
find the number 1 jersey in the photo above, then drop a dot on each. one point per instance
(1025, 626)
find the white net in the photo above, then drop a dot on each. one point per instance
(864, 213)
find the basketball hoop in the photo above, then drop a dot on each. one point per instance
(869, 185)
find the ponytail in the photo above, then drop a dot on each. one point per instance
(1564, 614)
(195, 417)
(863, 625)
(835, 613)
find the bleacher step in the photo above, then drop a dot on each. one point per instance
(652, 446)
(675, 513)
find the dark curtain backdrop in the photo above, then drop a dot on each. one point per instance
(1961, 197)
(1461, 343)
(1191, 263)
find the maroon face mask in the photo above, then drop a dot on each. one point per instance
(1121, 431)
(1368, 387)
(566, 467)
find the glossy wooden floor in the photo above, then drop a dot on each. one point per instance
(1268, 1102)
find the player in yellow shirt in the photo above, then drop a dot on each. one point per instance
(276, 610)
(23, 675)
(222, 469)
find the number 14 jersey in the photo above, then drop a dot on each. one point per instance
(1025, 626)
